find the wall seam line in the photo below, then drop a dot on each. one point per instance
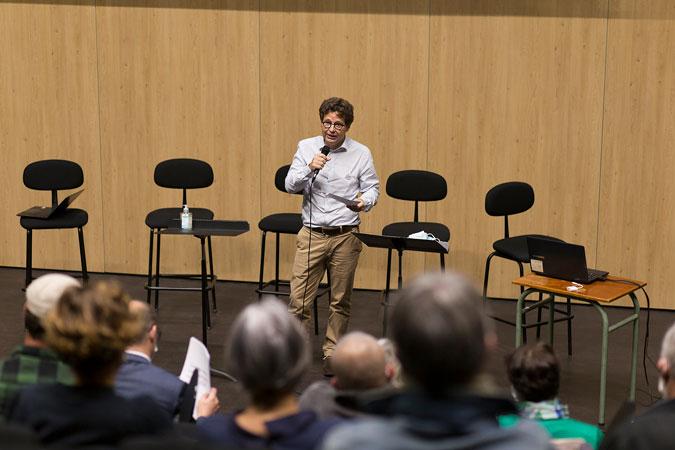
(602, 136)
(100, 132)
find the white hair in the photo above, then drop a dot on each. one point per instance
(268, 350)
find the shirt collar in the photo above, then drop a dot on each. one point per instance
(346, 145)
(139, 354)
(546, 410)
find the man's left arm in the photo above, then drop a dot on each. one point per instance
(369, 185)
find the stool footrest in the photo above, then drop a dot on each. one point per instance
(210, 285)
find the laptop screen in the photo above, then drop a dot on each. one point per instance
(557, 259)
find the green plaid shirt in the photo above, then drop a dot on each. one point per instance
(30, 365)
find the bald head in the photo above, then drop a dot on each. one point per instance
(359, 363)
(146, 342)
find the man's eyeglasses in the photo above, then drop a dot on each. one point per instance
(338, 126)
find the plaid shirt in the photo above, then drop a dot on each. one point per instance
(30, 365)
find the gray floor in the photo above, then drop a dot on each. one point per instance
(179, 317)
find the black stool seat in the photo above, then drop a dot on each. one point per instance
(285, 223)
(515, 248)
(160, 218)
(70, 218)
(439, 230)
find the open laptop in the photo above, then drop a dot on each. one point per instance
(561, 260)
(46, 212)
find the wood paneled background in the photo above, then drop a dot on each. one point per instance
(576, 97)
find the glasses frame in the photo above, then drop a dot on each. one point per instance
(337, 126)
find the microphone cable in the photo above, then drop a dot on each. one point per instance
(324, 150)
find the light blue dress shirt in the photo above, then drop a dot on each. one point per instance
(350, 171)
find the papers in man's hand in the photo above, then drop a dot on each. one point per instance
(346, 201)
(197, 357)
(428, 237)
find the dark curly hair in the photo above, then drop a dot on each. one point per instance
(534, 372)
(338, 105)
(90, 328)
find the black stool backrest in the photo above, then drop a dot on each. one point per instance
(183, 173)
(513, 197)
(53, 174)
(417, 186)
(505, 199)
(280, 177)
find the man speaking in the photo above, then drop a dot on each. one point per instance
(330, 164)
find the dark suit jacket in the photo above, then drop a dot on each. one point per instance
(137, 376)
(652, 430)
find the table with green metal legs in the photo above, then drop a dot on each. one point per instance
(597, 294)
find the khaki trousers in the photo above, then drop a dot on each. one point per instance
(338, 254)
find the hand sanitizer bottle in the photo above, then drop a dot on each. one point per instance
(186, 218)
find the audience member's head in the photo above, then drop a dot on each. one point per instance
(666, 364)
(268, 352)
(440, 332)
(41, 297)
(90, 328)
(359, 363)
(534, 372)
(146, 342)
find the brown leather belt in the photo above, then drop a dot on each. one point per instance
(334, 231)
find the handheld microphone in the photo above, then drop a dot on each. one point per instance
(325, 150)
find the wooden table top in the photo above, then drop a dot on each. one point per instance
(604, 291)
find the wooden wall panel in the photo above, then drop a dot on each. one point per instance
(48, 109)
(179, 82)
(574, 96)
(516, 97)
(311, 51)
(637, 231)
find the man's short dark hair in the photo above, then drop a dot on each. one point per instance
(340, 106)
(534, 372)
(33, 325)
(439, 330)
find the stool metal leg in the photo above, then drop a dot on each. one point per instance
(83, 256)
(262, 264)
(206, 316)
(29, 256)
(150, 252)
(159, 241)
(213, 291)
(385, 301)
(486, 277)
(522, 272)
(276, 262)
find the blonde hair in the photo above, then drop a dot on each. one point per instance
(90, 328)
